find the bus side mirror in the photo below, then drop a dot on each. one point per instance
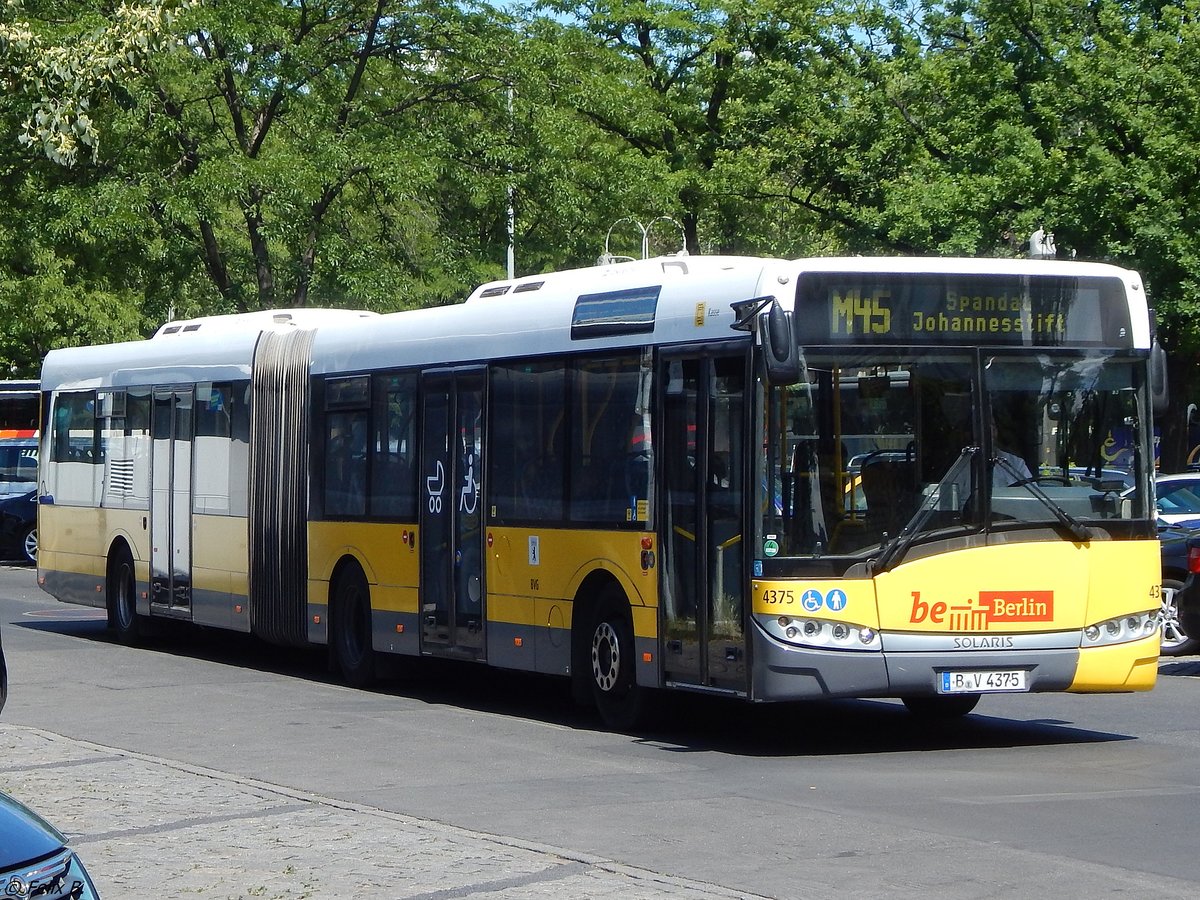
(778, 341)
(1158, 378)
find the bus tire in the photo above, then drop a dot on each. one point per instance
(622, 703)
(123, 616)
(941, 706)
(352, 648)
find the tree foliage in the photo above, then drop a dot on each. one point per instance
(696, 88)
(61, 70)
(975, 121)
(300, 150)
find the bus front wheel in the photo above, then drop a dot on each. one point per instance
(622, 703)
(352, 628)
(123, 616)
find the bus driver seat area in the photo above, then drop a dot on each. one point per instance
(889, 487)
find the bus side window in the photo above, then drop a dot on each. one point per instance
(346, 464)
(73, 477)
(212, 469)
(347, 403)
(75, 427)
(610, 442)
(526, 473)
(393, 447)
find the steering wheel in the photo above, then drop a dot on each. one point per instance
(1057, 479)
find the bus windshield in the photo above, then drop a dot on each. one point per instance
(944, 443)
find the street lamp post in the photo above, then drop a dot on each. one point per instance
(645, 228)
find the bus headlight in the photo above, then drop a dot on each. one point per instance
(1121, 630)
(821, 634)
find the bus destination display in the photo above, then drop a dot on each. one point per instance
(908, 308)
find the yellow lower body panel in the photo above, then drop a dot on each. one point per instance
(1121, 667)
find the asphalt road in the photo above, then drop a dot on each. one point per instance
(1032, 795)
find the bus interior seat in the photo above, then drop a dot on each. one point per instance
(889, 488)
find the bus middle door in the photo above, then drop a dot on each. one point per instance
(171, 501)
(451, 512)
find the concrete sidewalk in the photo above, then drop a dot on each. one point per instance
(149, 827)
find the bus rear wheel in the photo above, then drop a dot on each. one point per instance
(622, 703)
(123, 616)
(941, 706)
(352, 628)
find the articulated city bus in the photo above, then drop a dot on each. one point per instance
(763, 478)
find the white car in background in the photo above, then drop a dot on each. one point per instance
(1178, 497)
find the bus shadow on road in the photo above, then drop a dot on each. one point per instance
(853, 727)
(179, 639)
(682, 722)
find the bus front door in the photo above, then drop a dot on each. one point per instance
(703, 466)
(171, 501)
(451, 534)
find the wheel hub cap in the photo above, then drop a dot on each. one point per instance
(606, 656)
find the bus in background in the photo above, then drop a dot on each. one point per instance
(19, 409)
(19, 403)
(760, 478)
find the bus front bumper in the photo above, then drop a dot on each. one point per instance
(784, 672)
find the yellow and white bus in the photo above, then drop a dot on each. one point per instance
(763, 478)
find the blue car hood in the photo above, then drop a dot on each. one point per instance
(24, 835)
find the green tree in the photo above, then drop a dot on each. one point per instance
(68, 272)
(298, 151)
(961, 126)
(53, 307)
(286, 154)
(60, 70)
(695, 88)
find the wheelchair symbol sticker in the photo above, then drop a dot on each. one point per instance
(469, 498)
(811, 600)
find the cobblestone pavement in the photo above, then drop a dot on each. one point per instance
(149, 827)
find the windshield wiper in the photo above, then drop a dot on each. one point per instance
(898, 545)
(1078, 530)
